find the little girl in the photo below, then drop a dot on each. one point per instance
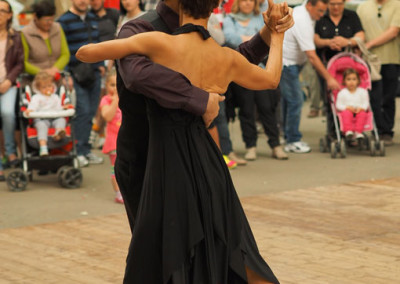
(46, 100)
(112, 115)
(353, 102)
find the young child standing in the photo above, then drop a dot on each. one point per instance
(112, 115)
(46, 100)
(353, 102)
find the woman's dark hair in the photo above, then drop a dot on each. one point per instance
(9, 22)
(349, 71)
(44, 9)
(199, 8)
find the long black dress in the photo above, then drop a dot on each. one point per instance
(190, 227)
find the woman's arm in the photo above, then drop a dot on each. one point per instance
(29, 67)
(147, 44)
(63, 60)
(253, 77)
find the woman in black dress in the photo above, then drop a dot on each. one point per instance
(190, 226)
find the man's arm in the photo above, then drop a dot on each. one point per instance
(391, 33)
(319, 66)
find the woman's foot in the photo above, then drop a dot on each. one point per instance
(279, 154)
(13, 161)
(251, 154)
(232, 156)
(118, 197)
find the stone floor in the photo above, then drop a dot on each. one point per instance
(348, 233)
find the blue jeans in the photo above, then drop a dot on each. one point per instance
(87, 102)
(291, 102)
(223, 131)
(7, 108)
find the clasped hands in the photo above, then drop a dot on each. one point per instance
(355, 109)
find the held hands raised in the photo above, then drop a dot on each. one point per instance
(278, 17)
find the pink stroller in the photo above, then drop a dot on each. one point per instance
(336, 66)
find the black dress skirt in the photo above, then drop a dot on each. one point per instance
(190, 227)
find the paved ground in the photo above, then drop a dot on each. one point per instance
(345, 233)
(45, 202)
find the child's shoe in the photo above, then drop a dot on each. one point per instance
(43, 151)
(349, 135)
(230, 163)
(118, 197)
(359, 135)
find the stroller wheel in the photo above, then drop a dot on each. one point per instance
(71, 178)
(17, 180)
(372, 149)
(60, 173)
(343, 151)
(323, 145)
(381, 148)
(334, 149)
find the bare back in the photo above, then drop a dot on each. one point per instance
(205, 63)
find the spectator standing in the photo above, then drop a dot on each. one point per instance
(81, 27)
(11, 65)
(112, 114)
(107, 18)
(131, 10)
(44, 42)
(381, 22)
(239, 26)
(335, 31)
(299, 46)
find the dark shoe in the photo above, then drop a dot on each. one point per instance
(2, 177)
(313, 113)
(14, 163)
(387, 139)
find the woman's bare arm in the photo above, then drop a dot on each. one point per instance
(253, 77)
(147, 44)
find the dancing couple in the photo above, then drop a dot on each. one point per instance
(188, 225)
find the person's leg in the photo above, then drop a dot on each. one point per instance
(390, 80)
(375, 100)
(221, 122)
(7, 108)
(293, 101)
(118, 197)
(254, 278)
(347, 121)
(360, 120)
(42, 128)
(267, 103)
(87, 100)
(245, 101)
(214, 134)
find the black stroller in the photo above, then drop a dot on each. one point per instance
(62, 158)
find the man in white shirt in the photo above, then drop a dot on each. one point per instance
(298, 46)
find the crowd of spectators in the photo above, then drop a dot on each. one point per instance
(322, 29)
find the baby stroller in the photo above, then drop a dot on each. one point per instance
(336, 66)
(62, 158)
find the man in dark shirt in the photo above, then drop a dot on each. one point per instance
(335, 31)
(107, 18)
(139, 77)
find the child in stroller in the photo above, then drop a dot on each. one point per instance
(352, 103)
(343, 121)
(46, 100)
(47, 135)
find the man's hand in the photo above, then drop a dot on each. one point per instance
(212, 108)
(332, 84)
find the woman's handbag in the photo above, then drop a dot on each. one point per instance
(372, 60)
